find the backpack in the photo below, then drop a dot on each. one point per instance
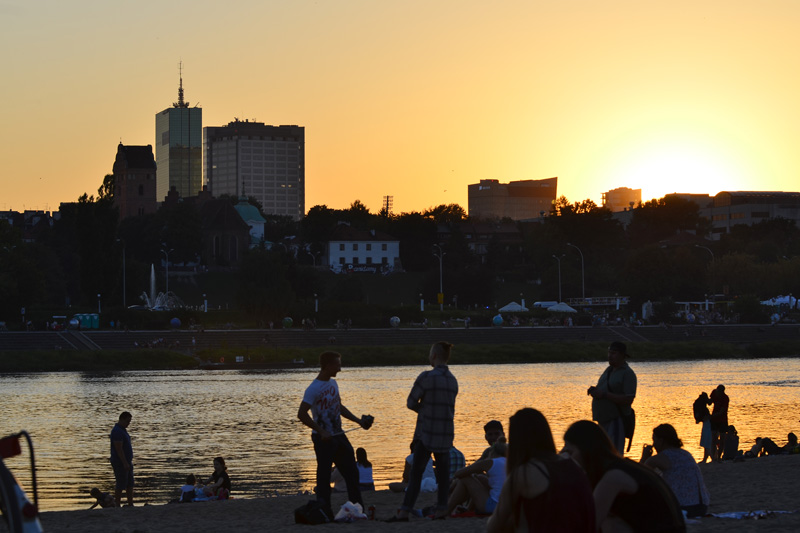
(187, 497)
(313, 513)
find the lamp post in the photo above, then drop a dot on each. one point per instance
(441, 292)
(583, 279)
(98, 303)
(205, 303)
(316, 303)
(558, 258)
(166, 254)
(124, 277)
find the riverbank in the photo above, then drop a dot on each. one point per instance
(379, 355)
(753, 485)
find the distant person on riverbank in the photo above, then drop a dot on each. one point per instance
(104, 499)
(719, 418)
(730, 448)
(331, 445)
(122, 459)
(613, 395)
(703, 415)
(679, 470)
(492, 431)
(433, 398)
(219, 484)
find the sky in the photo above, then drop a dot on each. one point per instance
(414, 99)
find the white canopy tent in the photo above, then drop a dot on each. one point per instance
(513, 307)
(561, 308)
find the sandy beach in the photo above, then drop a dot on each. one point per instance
(766, 483)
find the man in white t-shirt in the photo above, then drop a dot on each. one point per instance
(331, 445)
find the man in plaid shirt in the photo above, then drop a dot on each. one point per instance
(433, 397)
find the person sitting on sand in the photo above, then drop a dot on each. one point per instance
(730, 449)
(220, 482)
(627, 496)
(492, 430)
(104, 499)
(428, 483)
(483, 492)
(187, 490)
(542, 491)
(791, 446)
(679, 470)
(365, 481)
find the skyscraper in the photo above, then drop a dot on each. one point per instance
(251, 159)
(179, 149)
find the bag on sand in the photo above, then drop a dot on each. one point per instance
(312, 513)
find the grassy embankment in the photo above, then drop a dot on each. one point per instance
(54, 361)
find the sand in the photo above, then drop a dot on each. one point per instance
(766, 483)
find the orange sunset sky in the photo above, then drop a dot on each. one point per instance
(414, 99)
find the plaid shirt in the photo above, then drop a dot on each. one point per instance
(433, 397)
(457, 461)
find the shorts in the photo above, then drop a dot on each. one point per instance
(491, 505)
(124, 478)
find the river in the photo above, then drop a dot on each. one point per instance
(183, 419)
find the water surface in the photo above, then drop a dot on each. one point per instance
(183, 419)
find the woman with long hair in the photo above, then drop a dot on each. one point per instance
(542, 491)
(627, 495)
(219, 485)
(679, 470)
(365, 481)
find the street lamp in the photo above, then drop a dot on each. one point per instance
(98, 303)
(558, 258)
(583, 279)
(166, 254)
(316, 303)
(205, 303)
(441, 292)
(124, 304)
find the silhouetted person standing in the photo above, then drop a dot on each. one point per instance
(613, 395)
(122, 458)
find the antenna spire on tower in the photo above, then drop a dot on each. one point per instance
(180, 102)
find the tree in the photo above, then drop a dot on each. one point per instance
(446, 214)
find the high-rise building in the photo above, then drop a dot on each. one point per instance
(179, 149)
(516, 200)
(135, 181)
(252, 159)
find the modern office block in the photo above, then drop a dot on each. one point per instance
(253, 159)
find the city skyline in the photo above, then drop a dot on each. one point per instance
(415, 100)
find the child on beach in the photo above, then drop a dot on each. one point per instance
(187, 491)
(104, 499)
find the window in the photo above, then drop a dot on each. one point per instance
(141, 190)
(341, 260)
(355, 261)
(369, 260)
(369, 247)
(759, 214)
(355, 246)
(384, 247)
(384, 260)
(341, 247)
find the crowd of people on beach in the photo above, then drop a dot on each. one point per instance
(522, 483)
